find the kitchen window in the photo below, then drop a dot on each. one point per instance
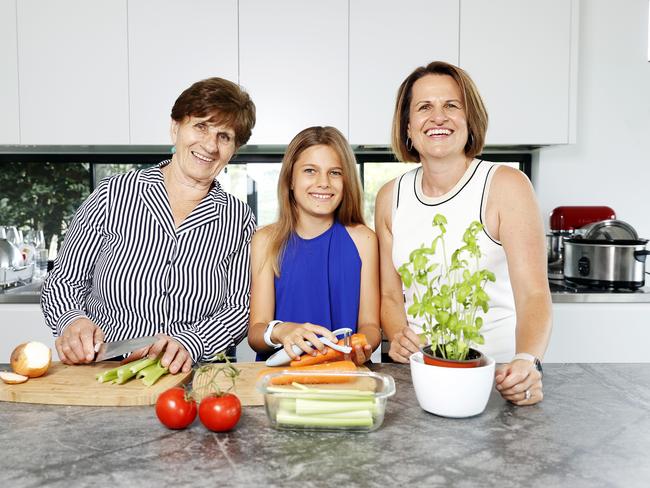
(42, 191)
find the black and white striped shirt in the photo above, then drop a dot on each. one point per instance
(127, 268)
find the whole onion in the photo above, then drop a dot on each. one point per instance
(31, 359)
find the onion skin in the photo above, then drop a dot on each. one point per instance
(20, 359)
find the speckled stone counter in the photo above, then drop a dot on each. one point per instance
(592, 430)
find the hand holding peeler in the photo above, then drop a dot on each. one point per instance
(281, 357)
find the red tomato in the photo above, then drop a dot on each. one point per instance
(220, 413)
(173, 410)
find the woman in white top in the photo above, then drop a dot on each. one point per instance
(440, 121)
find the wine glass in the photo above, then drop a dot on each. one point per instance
(13, 236)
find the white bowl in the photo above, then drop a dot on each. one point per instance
(452, 392)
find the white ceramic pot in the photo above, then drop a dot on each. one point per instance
(452, 392)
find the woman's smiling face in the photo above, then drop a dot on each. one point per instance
(203, 148)
(437, 119)
(317, 181)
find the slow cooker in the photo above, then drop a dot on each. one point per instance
(614, 263)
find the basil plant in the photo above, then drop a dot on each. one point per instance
(448, 294)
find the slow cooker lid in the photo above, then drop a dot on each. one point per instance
(604, 242)
(610, 230)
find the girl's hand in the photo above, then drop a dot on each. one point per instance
(360, 355)
(514, 379)
(290, 333)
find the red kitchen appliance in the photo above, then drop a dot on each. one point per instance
(568, 219)
(565, 222)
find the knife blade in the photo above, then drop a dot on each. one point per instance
(107, 350)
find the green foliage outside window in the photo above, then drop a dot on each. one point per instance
(42, 195)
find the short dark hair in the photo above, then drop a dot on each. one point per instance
(224, 100)
(477, 117)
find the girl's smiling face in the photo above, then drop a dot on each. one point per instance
(317, 181)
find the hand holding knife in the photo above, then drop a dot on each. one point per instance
(78, 341)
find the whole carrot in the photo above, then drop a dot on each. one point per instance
(330, 354)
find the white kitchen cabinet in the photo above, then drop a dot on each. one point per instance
(600, 333)
(293, 60)
(9, 121)
(171, 46)
(522, 54)
(388, 40)
(73, 71)
(23, 323)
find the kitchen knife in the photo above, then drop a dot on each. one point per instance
(107, 350)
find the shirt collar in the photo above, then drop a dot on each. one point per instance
(154, 176)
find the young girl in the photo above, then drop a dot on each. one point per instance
(316, 269)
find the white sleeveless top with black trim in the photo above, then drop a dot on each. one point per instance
(412, 215)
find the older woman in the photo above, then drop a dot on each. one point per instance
(440, 121)
(162, 250)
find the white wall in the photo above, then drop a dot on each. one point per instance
(610, 163)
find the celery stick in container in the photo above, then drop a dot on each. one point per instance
(357, 405)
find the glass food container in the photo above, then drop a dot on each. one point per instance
(329, 401)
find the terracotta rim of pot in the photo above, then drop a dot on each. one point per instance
(475, 357)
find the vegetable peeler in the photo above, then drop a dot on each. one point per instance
(281, 357)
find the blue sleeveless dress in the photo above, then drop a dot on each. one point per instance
(319, 281)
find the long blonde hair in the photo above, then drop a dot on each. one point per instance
(349, 211)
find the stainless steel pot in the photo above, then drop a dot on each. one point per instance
(555, 246)
(617, 263)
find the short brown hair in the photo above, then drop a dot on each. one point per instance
(224, 100)
(477, 117)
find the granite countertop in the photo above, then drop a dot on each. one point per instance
(592, 430)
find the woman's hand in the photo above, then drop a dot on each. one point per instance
(76, 345)
(514, 379)
(290, 333)
(176, 358)
(404, 343)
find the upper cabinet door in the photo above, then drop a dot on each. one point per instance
(388, 40)
(9, 120)
(73, 72)
(173, 44)
(293, 59)
(519, 53)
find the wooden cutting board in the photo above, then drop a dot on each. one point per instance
(245, 385)
(77, 385)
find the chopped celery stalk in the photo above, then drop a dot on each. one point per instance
(141, 364)
(321, 391)
(310, 407)
(323, 421)
(107, 376)
(152, 373)
(124, 374)
(319, 407)
(352, 414)
(287, 404)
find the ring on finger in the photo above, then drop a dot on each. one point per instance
(527, 394)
